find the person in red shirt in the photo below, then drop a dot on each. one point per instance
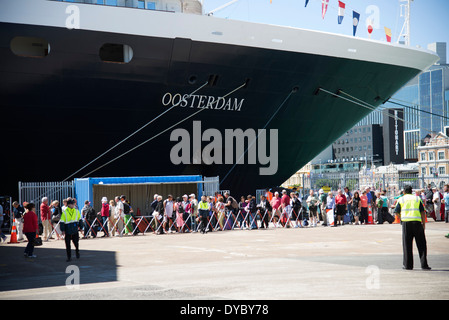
(275, 204)
(46, 218)
(285, 207)
(364, 208)
(30, 228)
(105, 216)
(341, 204)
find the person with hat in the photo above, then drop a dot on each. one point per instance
(413, 216)
(323, 202)
(71, 220)
(105, 216)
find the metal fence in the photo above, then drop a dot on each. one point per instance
(392, 183)
(35, 191)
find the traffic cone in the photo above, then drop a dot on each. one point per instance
(370, 216)
(397, 220)
(13, 234)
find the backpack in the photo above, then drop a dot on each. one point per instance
(126, 208)
(91, 214)
(379, 202)
(234, 203)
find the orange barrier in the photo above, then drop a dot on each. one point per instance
(13, 234)
(397, 220)
(370, 216)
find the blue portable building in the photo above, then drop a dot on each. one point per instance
(139, 191)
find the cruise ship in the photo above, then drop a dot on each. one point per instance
(113, 88)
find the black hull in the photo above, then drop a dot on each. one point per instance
(62, 111)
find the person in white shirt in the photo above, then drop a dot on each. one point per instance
(168, 213)
(436, 204)
(119, 215)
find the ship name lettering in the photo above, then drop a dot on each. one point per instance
(195, 101)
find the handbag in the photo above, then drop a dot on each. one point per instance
(37, 241)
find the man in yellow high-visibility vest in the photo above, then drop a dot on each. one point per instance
(70, 222)
(411, 210)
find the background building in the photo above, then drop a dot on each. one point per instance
(434, 159)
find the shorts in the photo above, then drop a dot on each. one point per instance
(341, 209)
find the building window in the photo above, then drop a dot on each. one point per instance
(423, 156)
(423, 171)
(441, 170)
(431, 156)
(441, 155)
(30, 47)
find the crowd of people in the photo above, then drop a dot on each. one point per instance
(222, 212)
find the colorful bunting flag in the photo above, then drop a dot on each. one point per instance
(341, 11)
(355, 19)
(324, 5)
(388, 34)
(307, 2)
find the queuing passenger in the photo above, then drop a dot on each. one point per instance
(212, 221)
(112, 218)
(429, 199)
(276, 204)
(119, 215)
(194, 212)
(264, 209)
(285, 207)
(187, 213)
(436, 204)
(341, 205)
(296, 205)
(220, 212)
(159, 215)
(364, 208)
(312, 203)
(251, 208)
(348, 195)
(241, 216)
(323, 203)
(128, 219)
(104, 216)
(383, 205)
(56, 212)
(356, 205)
(168, 216)
(64, 204)
(446, 202)
(18, 211)
(89, 215)
(46, 219)
(30, 228)
(231, 204)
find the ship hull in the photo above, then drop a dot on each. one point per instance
(64, 110)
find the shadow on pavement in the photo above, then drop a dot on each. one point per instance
(49, 269)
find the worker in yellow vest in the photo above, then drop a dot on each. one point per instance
(203, 213)
(70, 222)
(412, 213)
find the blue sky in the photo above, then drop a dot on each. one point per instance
(429, 18)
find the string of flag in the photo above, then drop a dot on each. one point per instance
(341, 14)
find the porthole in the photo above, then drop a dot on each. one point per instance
(116, 53)
(30, 47)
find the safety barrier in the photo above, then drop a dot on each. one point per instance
(242, 219)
